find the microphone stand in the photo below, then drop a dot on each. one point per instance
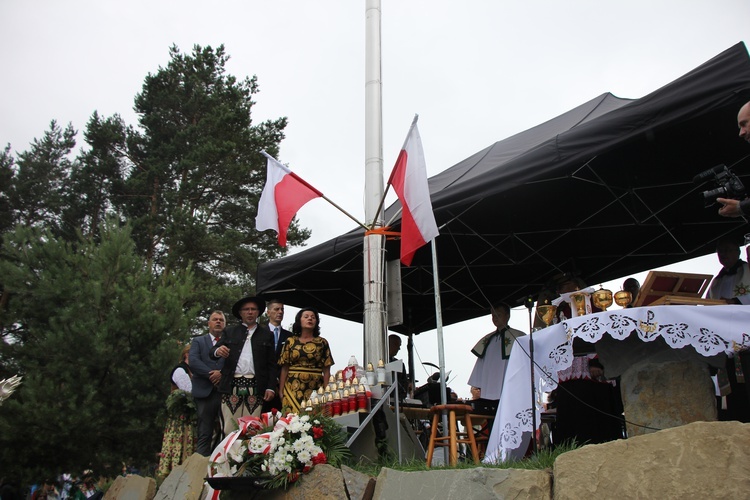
(529, 303)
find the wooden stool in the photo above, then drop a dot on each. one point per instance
(452, 436)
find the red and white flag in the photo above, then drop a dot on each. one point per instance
(283, 195)
(409, 180)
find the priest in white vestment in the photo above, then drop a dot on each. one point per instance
(492, 352)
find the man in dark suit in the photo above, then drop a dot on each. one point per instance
(249, 371)
(275, 311)
(206, 375)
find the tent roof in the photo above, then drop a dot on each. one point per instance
(605, 188)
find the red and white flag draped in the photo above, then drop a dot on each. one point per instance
(283, 195)
(409, 180)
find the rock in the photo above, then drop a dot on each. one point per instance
(186, 480)
(461, 484)
(359, 486)
(131, 487)
(323, 482)
(698, 460)
(664, 395)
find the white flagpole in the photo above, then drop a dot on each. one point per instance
(374, 314)
(441, 348)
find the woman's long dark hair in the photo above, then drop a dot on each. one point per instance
(297, 326)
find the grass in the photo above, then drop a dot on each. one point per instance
(539, 461)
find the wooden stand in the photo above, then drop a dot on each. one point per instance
(662, 288)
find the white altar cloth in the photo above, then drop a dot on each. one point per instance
(710, 330)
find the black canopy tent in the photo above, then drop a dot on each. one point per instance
(605, 188)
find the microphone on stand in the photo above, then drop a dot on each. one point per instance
(529, 303)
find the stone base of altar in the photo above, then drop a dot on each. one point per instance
(666, 394)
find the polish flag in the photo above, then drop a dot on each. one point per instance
(283, 195)
(409, 180)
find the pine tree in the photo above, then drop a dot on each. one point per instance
(95, 335)
(38, 192)
(189, 177)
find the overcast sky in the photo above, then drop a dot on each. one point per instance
(476, 71)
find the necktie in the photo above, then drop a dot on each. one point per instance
(276, 337)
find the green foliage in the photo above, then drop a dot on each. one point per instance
(334, 439)
(181, 404)
(6, 189)
(37, 193)
(94, 335)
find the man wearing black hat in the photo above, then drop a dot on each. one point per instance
(249, 370)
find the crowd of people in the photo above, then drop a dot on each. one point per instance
(239, 370)
(64, 487)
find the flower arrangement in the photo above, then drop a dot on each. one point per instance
(276, 450)
(181, 406)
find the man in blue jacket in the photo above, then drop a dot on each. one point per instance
(206, 375)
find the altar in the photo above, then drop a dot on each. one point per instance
(708, 331)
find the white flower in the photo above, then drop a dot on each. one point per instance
(302, 443)
(304, 456)
(236, 452)
(222, 469)
(258, 443)
(287, 447)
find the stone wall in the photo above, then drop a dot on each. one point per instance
(698, 460)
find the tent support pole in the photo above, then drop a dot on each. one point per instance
(441, 348)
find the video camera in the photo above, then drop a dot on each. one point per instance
(727, 182)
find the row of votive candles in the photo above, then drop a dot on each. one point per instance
(340, 398)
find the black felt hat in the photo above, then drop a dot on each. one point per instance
(257, 300)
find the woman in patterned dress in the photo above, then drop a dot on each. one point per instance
(179, 438)
(305, 360)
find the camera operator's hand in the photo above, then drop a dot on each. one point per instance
(729, 207)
